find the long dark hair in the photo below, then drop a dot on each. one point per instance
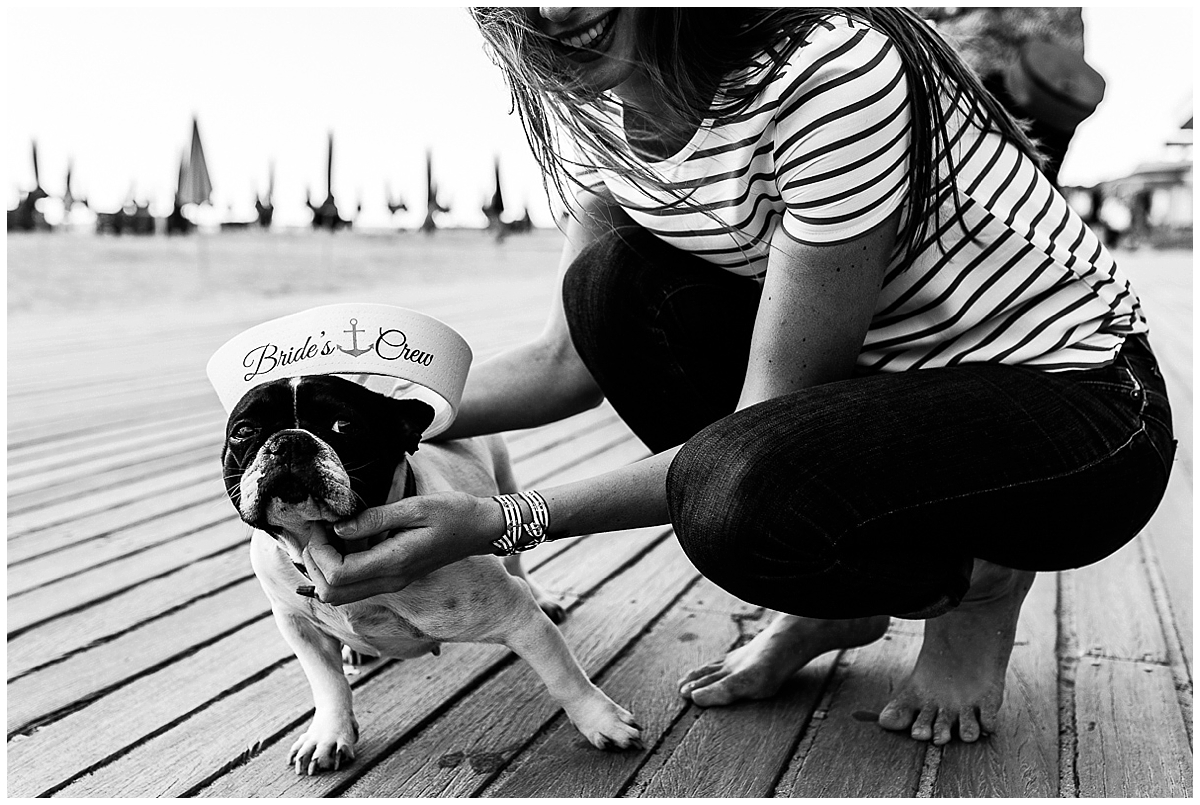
(711, 63)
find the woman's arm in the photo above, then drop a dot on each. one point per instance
(816, 306)
(811, 322)
(544, 380)
(810, 326)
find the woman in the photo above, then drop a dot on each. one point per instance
(884, 369)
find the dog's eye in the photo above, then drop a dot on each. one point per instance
(342, 426)
(245, 432)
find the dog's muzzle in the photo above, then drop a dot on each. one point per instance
(295, 474)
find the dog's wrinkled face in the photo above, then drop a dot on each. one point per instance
(304, 451)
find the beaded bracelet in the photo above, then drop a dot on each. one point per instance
(535, 532)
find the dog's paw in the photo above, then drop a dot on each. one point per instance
(327, 745)
(606, 724)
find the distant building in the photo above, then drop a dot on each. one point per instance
(1153, 204)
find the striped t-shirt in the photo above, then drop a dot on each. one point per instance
(1017, 277)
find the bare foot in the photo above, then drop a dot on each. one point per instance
(758, 669)
(959, 675)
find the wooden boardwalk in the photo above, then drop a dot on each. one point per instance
(142, 661)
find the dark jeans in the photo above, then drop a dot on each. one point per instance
(872, 495)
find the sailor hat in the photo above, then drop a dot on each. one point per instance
(391, 350)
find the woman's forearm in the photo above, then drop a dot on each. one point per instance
(545, 380)
(524, 387)
(632, 496)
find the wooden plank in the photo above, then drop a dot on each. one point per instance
(74, 592)
(453, 756)
(1115, 614)
(96, 514)
(1131, 738)
(85, 378)
(752, 739)
(522, 443)
(24, 429)
(57, 536)
(29, 574)
(90, 423)
(181, 758)
(846, 753)
(618, 453)
(63, 448)
(106, 396)
(54, 754)
(1020, 759)
(112, 470)
(33, 461)
(590, 443)
(77, 630)
(1168, 541)
(266, 712)
(84, 675)
(703, 624)
(113, 483)
(54, 539)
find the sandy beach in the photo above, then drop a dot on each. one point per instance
(81, 272)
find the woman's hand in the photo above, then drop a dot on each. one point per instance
(432, 531)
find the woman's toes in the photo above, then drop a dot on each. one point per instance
(988, 719)
(922, 728)
(968, 725)
(896, 716)
(700, 682)
(942, 725)
(714, 694)
(697, 673)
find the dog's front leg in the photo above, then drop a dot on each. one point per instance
(330, 738)
(602, 721)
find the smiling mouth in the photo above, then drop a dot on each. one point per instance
(587, 43)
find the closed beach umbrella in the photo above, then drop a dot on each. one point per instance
(182, 178)
(497, 204)
(194, 184)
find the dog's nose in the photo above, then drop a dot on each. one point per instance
(292, 448)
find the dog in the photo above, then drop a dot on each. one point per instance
(305, 451)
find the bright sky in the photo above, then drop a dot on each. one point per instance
(114, 90)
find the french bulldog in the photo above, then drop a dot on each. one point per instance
(303, 452)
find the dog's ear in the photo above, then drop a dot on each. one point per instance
(414, 417)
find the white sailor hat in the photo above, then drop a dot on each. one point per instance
(391, 350)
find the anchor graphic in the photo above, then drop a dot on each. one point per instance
(354, 351)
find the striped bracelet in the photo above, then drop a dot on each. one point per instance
(506, 544)
(518, 535)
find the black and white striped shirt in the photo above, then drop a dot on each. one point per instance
(1014, 275)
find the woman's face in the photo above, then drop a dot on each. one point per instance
(597, 44)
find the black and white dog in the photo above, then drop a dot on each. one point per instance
(301, 452)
